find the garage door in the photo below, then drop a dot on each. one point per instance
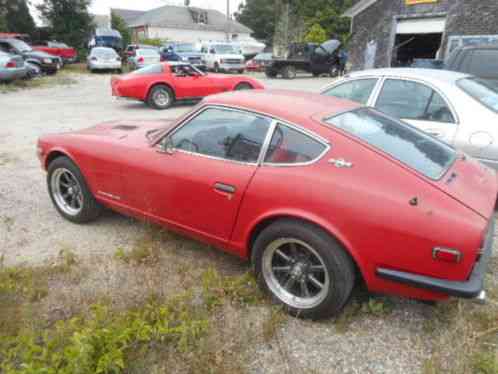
(421, 26)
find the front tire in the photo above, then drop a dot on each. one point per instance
(70, 193)
(289, 72)
(160, 97)
(303, 268)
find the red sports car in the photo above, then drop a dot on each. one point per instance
(317, 192)
(161, 85)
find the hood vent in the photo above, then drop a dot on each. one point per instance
(125, 127)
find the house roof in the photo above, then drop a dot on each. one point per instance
(181, 17)
(358, 7)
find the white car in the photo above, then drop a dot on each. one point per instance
(223, 57)
(144, 57)
(103, 58)
(459, 109)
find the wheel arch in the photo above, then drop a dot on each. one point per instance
(244, 81)
(161, 83)
(266, 221)
(56, 153)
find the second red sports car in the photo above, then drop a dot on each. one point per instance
(162, 84)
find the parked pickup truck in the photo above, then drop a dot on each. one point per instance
(66, 53)
(312, 58)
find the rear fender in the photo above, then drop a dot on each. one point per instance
(324, 224)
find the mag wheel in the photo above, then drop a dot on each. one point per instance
(70, 193)
(160, 97)
(303, 268)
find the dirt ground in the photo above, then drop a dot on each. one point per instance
(397, 337)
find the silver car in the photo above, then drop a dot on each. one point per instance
(12, 67)
(103, 58)
(460, 109)
(144, 57)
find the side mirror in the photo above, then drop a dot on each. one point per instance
(166, 146)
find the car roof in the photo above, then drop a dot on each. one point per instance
(479, 46)
(431, 75)
(288, 105)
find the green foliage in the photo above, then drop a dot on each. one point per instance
(485, 363)
(239, 290)
(326, 13)
(258, 15)
(118, 23)
(316, 34)
(15, 17)
(70, 21)
(154, 42)
(102, 341)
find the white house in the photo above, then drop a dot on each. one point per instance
(183, 24)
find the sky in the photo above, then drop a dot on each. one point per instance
(103, 6)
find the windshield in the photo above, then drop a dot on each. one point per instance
(401, 141)
(20, 45)
(185, 48)
(225, 49)
(483, 90)
(109, 41)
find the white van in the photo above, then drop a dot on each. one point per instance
(223, 57)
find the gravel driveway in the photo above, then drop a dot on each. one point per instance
(31, 232)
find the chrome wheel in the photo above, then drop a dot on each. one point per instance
(295, 273)
(161, 97)
(66, 191)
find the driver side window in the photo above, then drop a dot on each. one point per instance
(223, 133)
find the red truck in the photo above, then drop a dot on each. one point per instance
(67, 54)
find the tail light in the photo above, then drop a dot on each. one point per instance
(141, 59)
(446, 255)
(11, 64)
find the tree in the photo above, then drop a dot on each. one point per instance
(119, 24)
(316, 34)
(327, 14)
(16, 17)
(69, 20)
(258, 15)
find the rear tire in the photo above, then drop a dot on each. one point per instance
(270, 73)
(217, 68)
(289, 72)
(310, 256)
(69, 192)
(241, 71)
(160, 97)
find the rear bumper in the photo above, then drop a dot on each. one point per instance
(8, 75)
(472, 288)
(230, 67)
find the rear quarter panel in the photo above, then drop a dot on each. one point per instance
(367, 208)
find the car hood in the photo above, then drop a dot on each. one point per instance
(473, 184)
(189, 54)
(230, 56)
(38, 54)
(126, 128)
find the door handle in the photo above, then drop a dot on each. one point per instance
(433, 132)
(225, 188)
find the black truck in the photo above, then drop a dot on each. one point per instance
(313, 58)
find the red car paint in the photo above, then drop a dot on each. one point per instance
(366, 207)
(138, 86)
(67, 54)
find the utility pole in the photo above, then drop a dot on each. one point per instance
(228, 21)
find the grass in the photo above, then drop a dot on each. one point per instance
(60, 79)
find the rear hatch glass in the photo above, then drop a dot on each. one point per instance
(400, 140)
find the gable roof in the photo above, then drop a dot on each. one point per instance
(359, 7)
(181, 17)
